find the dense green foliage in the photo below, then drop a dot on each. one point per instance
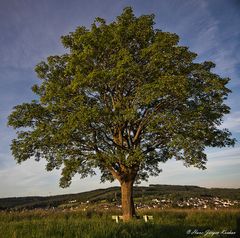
(110, 194)
(166, 224)
(123, 99)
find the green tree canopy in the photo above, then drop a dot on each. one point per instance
(123, 99)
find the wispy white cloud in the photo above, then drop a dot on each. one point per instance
(210, 37)
(31, 179)
(232, 122)
(222, 171)
(224, 158)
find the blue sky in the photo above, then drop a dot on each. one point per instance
(30, 31)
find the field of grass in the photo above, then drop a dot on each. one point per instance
(174, 223)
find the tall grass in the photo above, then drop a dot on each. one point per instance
(89, 224)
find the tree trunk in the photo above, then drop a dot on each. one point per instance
(128, 208)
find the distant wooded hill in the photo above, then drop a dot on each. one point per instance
(175, 192)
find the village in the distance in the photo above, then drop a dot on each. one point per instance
(152, 197)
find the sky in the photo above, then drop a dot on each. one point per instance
(31, 30)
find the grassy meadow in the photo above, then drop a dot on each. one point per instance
(172, 223)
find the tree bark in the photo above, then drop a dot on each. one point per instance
(128, 208)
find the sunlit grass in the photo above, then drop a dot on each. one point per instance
(91, 224)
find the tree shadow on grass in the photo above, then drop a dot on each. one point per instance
(174, 231)
(156, 231)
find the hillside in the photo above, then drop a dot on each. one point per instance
(112, 194)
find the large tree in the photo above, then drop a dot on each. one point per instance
(125, 98)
